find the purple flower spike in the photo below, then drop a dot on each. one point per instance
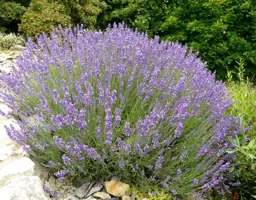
(127, 129)
(118, 102)
(159, 162)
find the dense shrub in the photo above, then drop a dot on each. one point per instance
(222, 31)
(10, 14)
(145, 15)
(83, 11)
(118, 104)
(8, 40)
(43, 16)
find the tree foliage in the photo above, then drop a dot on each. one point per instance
(10, 14)
(43, 16)
(223, 31)
(83, 11)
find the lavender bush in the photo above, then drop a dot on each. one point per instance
(120, 104)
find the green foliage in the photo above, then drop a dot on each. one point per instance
(244, 94)
(246, 165)
(10, 12)
(8, 40)
(145, 15)
(155, 193)
(223, 31)
(83, 11)
(43, 16)
(22, 2)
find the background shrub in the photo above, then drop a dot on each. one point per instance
(8, 40)
(118, 104)
(83, 11)
(222, 31)
(10, 15)
(43, 16)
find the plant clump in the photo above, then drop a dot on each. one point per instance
(43, 16)
(115, 103)
(8, 40)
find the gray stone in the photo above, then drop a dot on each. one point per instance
(51, 183)
(102, 195)
(14, 168)
(24, 188)
(94, 189)
(17, 48)
(40, 171)
(90, 198)
(71, 197)
(79, 182)
(7, 151)
(83, 190)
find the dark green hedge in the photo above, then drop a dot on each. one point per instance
(223, 31)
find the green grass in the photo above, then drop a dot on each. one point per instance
(243, 93)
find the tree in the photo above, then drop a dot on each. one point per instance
(222, 31)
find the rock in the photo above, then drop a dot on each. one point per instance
(83, 190)
(21, 152)
(116, 188)
(40, 171)
(71, 197)
(93, 190)
(24, 188)
(128, 198)
(51, 183)
(90, 198)
(18, 167)
(17, 48)
(10, 149)
(102, 195)
(79, 181)
(65, 187)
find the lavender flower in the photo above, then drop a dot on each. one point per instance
(159, 162)
(98, 132)
(47, 189)
(59, 142)
(66, 159)
(118, 117)
(179, 172)
(121, 165)
(195, 182)
(108, 138)
(127, 129)
(60, 174)
(116, 96)
(156, 140)
(56, 195)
